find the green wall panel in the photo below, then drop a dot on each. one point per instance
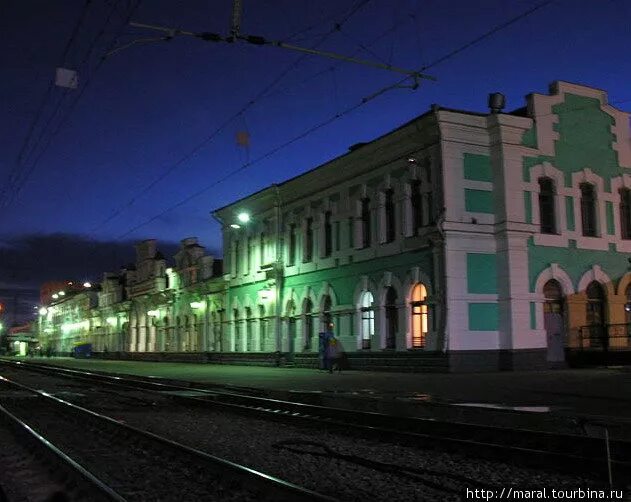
(611, 228)
(478, 201)
(481, 273)
(528, 206)
(477, 167)
(483, 317)
(575, 262)
(569, 212)
(585, 139)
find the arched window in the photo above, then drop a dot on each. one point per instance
(419, 316)
(547, 216)
(595, 304)
(307, 321)
(368, 319)
(588, 209)
(625, 213)
(291, 258)
(392, 321)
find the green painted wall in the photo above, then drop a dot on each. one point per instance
(344, 279)
(528, 206)
(483, 317)
(585, 139)
(481, 273)
(575, 262)
(611, 228)
(477, 167)
(478, 201)
(569, 212)
(529, 138)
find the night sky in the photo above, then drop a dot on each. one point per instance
(151, 125)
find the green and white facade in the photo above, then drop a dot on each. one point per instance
(484, 240)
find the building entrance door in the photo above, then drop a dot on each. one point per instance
(554, 321)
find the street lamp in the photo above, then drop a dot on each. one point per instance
(243, 217)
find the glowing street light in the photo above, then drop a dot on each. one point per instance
(197, 305)
(43, 311)
(243, 217)
(87, 285)
(62, 293)
(55, 296)
(234, 225)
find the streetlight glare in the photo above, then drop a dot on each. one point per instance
(87, 285)
(234, 225)
(243, 217)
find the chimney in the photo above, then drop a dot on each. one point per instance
(497, 102)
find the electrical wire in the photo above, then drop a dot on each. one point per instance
(262, 93)
(337, 116)
(28, 173)
(18, 166)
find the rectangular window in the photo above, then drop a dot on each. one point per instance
(237, 257)
(328, 234)
(308, 253)
(390, 216)
(292, 245)
(588, 209)
(262, 248)
(366, 237)
(249, 255)
(351, 232)
(337, 235)
(417, 205)
(547, 217)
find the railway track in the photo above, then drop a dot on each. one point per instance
(111, 460)
(560, 452)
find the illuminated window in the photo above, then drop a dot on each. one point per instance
(419, 316)
(367, 319)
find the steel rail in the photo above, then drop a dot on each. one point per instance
(97, 489)
(563, 452)
(275, 487)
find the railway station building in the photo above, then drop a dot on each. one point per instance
(459, 241)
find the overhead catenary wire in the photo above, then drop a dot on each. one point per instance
(259, 95)
(28, 172)
(19, 163)
(337, 116)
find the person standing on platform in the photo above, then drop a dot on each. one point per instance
(332, 349)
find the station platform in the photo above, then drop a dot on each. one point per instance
(567, 400)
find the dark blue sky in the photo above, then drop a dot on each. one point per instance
(149, 105)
